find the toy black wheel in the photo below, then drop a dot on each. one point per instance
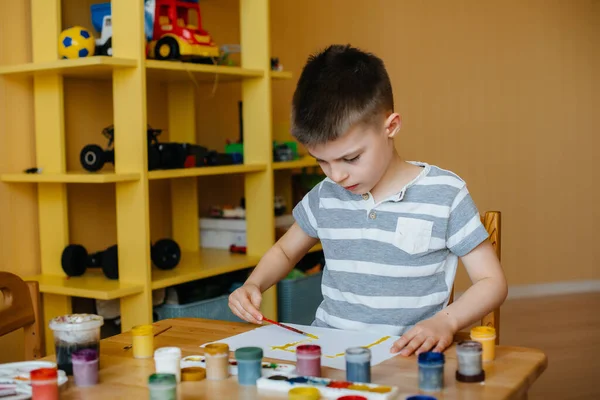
(106, 49)
(73, 260)
(166, 254)
(167, 49)
(92, 157)
(153, 157)
(110, 262)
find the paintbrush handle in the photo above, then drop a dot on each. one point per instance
(284, 326)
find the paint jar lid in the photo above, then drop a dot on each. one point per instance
(430, 358)
(249, 354)
(309, 350)
(421, 397)
(483, 332)
(43, 374)
(469, 346)
(167, 352)
(141, 330)
(216, 348)
(304, 393)
(193, 374)
(84, 355)
(352, 397)
(358, 354)
(162, 380)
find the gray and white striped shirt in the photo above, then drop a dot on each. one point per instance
(392, 264)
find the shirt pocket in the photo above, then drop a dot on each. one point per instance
(413, 235)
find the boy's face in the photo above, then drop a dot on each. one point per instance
(358, 159)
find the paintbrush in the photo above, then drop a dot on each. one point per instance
(290, 328)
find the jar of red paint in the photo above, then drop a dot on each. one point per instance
(308, 360)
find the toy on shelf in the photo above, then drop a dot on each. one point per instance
(178, 34)
(102, 22)
(75, 42)
(275, 64)
(165, 254)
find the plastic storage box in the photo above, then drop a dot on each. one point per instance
(215, 308)
(298, 299)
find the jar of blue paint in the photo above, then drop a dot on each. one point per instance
(358, 364)
(431, 371)
(249, 360)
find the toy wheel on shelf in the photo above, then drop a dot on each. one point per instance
(106, 48)
(167, 48)
(165, 254)
(92, 157)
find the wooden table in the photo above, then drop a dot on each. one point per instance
(121, 376)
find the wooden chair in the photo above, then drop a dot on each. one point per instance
(20, 307)
(491, 222)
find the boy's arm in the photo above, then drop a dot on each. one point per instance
(277, 262)
(488, 291)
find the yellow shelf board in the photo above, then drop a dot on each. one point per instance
(204, 171)
(201, 264)
(281, 74)
(306, 161)
(316, 247)
(177, 71)
(93, 284)
(71, 177)
(89, 67)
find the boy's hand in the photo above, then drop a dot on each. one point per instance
(245, 303)
(435, 333)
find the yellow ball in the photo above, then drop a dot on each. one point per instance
(76, 42)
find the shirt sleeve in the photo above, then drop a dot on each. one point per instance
(306, 212)
(465, 230)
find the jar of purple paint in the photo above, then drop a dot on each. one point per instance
(308, 360)
(85, 367)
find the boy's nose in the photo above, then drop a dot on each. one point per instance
(338, 175)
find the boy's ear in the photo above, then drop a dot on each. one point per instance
(393, 125)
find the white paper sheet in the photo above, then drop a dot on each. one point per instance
(280, 343)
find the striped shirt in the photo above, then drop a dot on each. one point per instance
(392, 264)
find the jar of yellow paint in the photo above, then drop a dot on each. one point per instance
(143, 341)
(304, 393)
(486, 335)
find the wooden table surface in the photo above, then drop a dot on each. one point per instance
(122, 376)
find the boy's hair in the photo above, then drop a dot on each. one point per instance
(338, 88)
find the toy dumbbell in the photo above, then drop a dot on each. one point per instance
(165, 254)
(75, 260)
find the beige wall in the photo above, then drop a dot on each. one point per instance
(499, 92)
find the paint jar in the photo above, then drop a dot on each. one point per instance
(358, 364)
(486, 335)
(304, 393)
(249, 360)
(308, 360)
(142, 338)
(85, 367)
(167, 361)
(468, 353)
(431, 371)
(193, 374)
(74, 332)
(44, 384)
(217, 361)
(162, 386)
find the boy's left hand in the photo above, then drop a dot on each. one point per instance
(435, 333)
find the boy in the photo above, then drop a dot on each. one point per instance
(391, 230)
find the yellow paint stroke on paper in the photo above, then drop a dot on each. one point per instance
(383, 339)
(286, 347)
(310, 335)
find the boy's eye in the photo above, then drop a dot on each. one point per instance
(352, 159)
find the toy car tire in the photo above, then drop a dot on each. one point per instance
(92, 157)
(173, 48)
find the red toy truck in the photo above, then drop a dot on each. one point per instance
(178, 33)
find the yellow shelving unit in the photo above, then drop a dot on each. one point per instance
(129, 71)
